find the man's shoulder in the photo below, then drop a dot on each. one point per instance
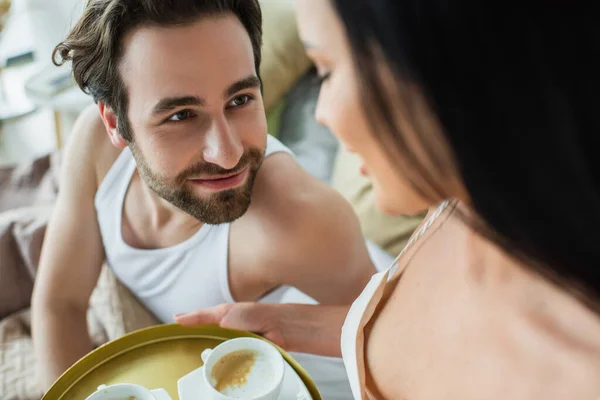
(282, 184)
(305, 227)
(290, 199)
(90, 142)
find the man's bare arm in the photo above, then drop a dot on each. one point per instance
(318, 246)
(71, 259)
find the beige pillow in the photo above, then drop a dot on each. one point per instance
(114, 311)
(389, 233)
(284, 60)
(17, 359)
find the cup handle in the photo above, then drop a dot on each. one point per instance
(160, 394)
(205, 354)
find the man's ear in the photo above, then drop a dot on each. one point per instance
(110, 123)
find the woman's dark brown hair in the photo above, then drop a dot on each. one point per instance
(514, 87)
(94, 45)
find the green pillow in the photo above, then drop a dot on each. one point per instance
(284, 59)
(274, 117)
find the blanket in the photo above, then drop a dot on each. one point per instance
(27, 194)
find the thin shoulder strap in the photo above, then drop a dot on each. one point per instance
(415, 238)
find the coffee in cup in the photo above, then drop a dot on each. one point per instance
(243, 368)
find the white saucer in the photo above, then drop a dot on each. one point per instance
(192, 385)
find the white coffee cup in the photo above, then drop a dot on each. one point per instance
(127, 390)
(264, 380)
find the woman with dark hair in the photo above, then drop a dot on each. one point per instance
(488, 114)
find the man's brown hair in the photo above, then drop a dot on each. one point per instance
(95, 44)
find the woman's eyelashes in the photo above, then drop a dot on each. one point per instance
(322, 77)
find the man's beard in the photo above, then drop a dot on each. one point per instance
(217, 208)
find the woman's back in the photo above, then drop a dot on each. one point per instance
(464, 321)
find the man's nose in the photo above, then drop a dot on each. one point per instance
(223, 146)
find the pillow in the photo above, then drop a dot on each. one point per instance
(284, 60)
(21, 236)
(114, 311)
(274, 118)
(389, 232)
(18, 374)
(313, 145)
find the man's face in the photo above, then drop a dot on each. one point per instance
(196, 114)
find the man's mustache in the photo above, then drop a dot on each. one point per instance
(251, 156)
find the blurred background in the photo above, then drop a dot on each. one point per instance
(38, 102)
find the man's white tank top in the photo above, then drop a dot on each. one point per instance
(192, 274)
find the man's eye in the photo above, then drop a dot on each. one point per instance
(239, 101)
(180, 116)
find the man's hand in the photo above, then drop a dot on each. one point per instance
(253, 317)
(314, 329)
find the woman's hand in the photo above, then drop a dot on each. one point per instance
(314, 329)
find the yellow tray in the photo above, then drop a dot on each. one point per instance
(155, 357)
